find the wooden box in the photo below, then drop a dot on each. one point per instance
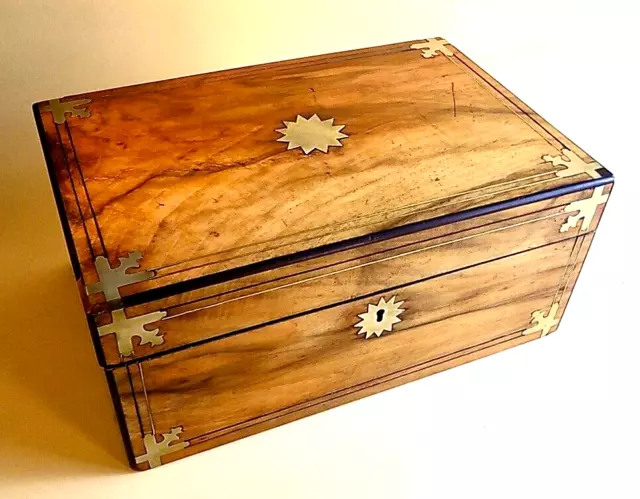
(256, 245)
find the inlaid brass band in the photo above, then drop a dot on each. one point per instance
(355, 267)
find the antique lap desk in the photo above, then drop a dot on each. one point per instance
(256, 245)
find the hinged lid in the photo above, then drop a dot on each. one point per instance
(164, 183)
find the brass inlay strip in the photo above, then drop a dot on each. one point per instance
(407, 371)
(575, 265)
(146, 398)
(355, 267)
(486, 84)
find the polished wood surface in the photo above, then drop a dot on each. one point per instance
(290, 290)
(190, 172)
(193, 174)
(241, 384)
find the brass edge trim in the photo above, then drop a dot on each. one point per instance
(513, 336)
(362, 265)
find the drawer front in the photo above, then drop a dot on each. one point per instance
(259, 300)
(247, 382)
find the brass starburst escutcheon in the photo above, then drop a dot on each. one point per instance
(379, 318)
(311, 134)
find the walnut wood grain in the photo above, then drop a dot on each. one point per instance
(238, 385)
(291, 290)
(189, 172)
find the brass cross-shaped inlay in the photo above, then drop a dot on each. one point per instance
(59, 109)
(126, 328)
(573, 164)
(586, 209)
(113, 278)
(432, 46)
(543, 322)
(155, 450)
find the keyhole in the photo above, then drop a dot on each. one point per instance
(379, 315)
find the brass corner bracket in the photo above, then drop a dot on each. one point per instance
(126, 329)
(59, 110)
(542, 322)
(586, 209)
(111, 279)
(155, 450)
(432, 46)
(573, 164)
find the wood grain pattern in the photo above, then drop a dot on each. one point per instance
(189, 172)
(291, 290)
(237, 385)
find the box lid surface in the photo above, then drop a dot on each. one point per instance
(195, 176)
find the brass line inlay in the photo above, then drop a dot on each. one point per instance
(564, 277)
(575, 265)
(355, 267)
(504, 338)
(485, 84)
(146, 398)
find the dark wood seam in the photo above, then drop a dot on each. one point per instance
(381, 253)
(191, 284)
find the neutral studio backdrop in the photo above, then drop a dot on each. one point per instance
(554, 418)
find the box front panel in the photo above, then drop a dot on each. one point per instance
(288, 291)
(241, 384)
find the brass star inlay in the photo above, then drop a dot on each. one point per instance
(310, 134)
